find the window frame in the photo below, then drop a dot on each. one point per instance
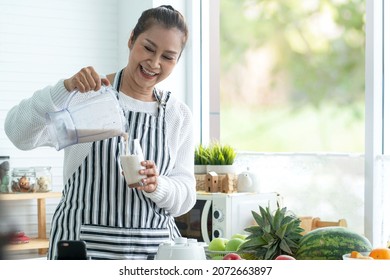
(376, 106)
(205, 98)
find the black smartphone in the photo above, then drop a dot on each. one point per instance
(72, 250)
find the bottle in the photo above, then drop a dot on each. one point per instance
(43, 178)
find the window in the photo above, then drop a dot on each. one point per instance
(360, 112)
(292, 84)
(292, 75)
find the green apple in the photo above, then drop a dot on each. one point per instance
(218, 244)
(233, 244)
(217, 257)
(239, 235)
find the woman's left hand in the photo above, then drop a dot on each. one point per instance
(149, 184)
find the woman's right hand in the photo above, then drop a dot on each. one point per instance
(85, 80)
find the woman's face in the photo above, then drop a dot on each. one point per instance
(154, 54)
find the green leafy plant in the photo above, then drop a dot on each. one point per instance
(275, 234)
(201, 155)
(221, 154)
(214, 154)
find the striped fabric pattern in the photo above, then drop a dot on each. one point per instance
(116, 222)
(111, 243)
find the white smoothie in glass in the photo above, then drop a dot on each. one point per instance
(131, 163)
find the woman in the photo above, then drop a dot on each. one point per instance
(115, 220)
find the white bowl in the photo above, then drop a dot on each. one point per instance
(348, 256)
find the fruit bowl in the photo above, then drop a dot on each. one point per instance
(347, 257)
(216, 255)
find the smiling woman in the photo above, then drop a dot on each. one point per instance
(102, 205)
(155, 53)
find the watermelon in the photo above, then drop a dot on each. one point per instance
(331, 243)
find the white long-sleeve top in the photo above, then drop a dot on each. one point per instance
(26, 127)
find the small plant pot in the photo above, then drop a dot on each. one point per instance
(221, 169)
(200, 169)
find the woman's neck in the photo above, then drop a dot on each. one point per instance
(130, 88)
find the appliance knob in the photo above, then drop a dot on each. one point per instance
(217, 233)
(217, 214)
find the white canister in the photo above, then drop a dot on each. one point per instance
(248, 182)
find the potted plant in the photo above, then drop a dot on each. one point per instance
(221, 158)
(214, 157)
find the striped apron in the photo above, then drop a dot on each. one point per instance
(115, 221)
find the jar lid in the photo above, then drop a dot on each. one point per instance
(22, 170)
(39, 168)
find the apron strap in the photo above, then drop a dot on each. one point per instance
(117, 80)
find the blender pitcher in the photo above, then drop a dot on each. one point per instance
(95, 118)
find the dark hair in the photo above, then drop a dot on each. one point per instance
(165, 15)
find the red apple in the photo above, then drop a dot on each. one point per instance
(232, 256)
(285, 257)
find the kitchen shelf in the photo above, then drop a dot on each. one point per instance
(41, 242)
(25, 196)
(35, 243)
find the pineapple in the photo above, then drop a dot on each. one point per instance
(275, 234)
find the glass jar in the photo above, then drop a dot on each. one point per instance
(23, 180)
(44, 178)
(5, 180)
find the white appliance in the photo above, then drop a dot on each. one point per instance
(222, 215)
(181, 249)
